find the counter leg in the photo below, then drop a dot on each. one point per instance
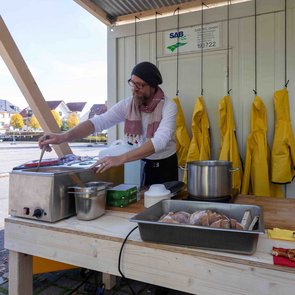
(20, 274)
(108, 280)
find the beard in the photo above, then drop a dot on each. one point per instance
(140, 99)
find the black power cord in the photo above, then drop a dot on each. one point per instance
(119, 261)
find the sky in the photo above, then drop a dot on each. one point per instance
(64, 47)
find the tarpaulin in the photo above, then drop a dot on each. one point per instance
(229, 150)
(283, 148)
(256, 178)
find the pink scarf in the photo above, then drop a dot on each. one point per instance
(133, 125)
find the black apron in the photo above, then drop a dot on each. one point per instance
(160, 171)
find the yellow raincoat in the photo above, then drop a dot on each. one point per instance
(181, 135)
(229, 150)
(283, 148)
(256, 178)
(199, 148)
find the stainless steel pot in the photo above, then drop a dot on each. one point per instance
(210, 178)
(90, 200)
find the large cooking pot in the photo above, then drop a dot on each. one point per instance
(210, 179)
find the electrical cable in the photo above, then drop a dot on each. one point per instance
(202, 47)
(119, 261)
(135, 38)
(177, 52)
(228, 6)
(255, 44)
(81, 283)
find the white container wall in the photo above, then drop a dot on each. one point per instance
(270, 62)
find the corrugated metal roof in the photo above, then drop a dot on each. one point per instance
(124, 11)
(116, 8)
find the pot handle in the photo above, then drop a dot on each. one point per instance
(234, 169)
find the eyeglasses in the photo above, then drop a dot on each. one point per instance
(137, 85)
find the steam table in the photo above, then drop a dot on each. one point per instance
(96, 245)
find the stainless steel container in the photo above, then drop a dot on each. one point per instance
(90, 200)
(218, 239)
(209, 178)
(43, 195)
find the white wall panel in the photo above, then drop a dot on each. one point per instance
(270, 63)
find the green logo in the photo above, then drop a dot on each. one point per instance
(175, 46)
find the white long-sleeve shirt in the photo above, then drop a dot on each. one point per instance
(164, 137)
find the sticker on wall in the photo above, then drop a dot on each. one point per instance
(190, 39)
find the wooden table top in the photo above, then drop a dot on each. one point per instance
(278, 213)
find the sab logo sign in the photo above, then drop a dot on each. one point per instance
(176, 35)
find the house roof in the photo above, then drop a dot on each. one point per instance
(116, 12)
(53, 104)
(6, 106)
(76, 106)
(97, 109)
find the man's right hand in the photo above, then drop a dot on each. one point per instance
(50, 138)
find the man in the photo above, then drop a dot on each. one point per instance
(150, 120)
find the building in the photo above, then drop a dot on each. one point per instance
(7, 109)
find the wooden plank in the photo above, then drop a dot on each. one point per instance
(277, 212)
(95, 10)
(28, 86)
(20, 274)
(96, 244)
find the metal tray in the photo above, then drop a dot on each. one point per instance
(218, 239)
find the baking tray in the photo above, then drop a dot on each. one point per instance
(218, 239)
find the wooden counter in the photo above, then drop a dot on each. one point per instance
(96, 245)
(277, 212)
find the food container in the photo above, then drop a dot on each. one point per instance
(155, 194)
(210, 179)
(122, 195)
(90, 200)
(218, 239)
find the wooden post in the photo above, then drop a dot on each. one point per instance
(27, 85)
(108, 280)
(20, 274)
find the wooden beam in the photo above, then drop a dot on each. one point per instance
(95, 10)
(27, 85)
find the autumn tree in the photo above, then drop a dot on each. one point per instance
(72, 120)
(33, 123)
(57, 118)
(17, 121)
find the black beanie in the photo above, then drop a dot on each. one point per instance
(149, 73)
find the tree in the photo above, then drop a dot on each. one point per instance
(72, 120)
(57, 118)
(17, 121)
(33, 123)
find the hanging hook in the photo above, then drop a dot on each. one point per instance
(205, 4)
(286, 85)
(177, 9)
(255, 92)
(229, 91)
